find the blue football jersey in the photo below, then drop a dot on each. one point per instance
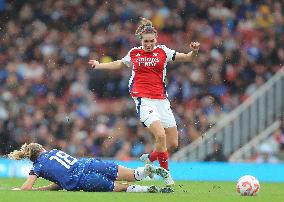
(60, 168)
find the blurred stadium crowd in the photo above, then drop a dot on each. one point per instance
(50, 95)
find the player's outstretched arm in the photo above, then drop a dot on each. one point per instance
(187, 57)
(28, 185)
(110, 65)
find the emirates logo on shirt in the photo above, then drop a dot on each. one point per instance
(147, 62)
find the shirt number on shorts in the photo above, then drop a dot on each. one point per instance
(64, 159)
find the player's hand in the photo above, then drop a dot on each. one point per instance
(194, 46)
(93, 63)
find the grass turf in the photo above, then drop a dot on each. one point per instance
(184, 191)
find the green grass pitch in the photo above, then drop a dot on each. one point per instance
(184, 191)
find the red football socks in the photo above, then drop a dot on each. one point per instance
(153, 156)
(163, 159)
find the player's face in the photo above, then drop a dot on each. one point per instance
(148, 42)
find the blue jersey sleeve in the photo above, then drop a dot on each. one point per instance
(35, 170)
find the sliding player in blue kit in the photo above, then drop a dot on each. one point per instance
(86, 174)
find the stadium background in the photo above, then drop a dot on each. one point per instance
(50, 95)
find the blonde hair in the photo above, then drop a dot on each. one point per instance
(28, 151)
(146, 26)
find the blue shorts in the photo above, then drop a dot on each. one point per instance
(99, 176)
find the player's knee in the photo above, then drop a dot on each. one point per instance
(160, 137)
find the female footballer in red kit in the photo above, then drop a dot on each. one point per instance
(147, 88)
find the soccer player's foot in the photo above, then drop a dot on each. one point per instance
(154, 189)
(162, 172)
(169, 181)
(145, 158)
(150, 169)
(167, 190)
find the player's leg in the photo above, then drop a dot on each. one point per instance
(172, 142)
(169, 124)
(172, 138)
(104, 180)
(106, 168)
(116, 172)
(96, 182)
(131, 175)
(149, 116)
(124, 187)
(160, 153)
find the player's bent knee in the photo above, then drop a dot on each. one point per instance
(160, 137)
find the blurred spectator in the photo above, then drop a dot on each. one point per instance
(266, 154)
(217, 154)
(259, 81)
(271, 150)
(279, 135)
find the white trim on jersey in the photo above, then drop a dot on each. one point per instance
(164, 78)
(169, 52)
(131, 80)
(127, 60)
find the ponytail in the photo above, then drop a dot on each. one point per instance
(28, 151)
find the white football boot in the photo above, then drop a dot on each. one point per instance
(145, 159)
(153, 189)
(167, 190)
(147, 162)
(156, 189)
(151, 170)
(162, 172)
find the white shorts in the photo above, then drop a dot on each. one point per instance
(150, 110)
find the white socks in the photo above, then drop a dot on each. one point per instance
(137, 188)
(140, 173)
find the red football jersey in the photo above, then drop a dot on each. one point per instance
(149, 71)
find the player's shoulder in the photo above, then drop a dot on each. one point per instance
(166, 50)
